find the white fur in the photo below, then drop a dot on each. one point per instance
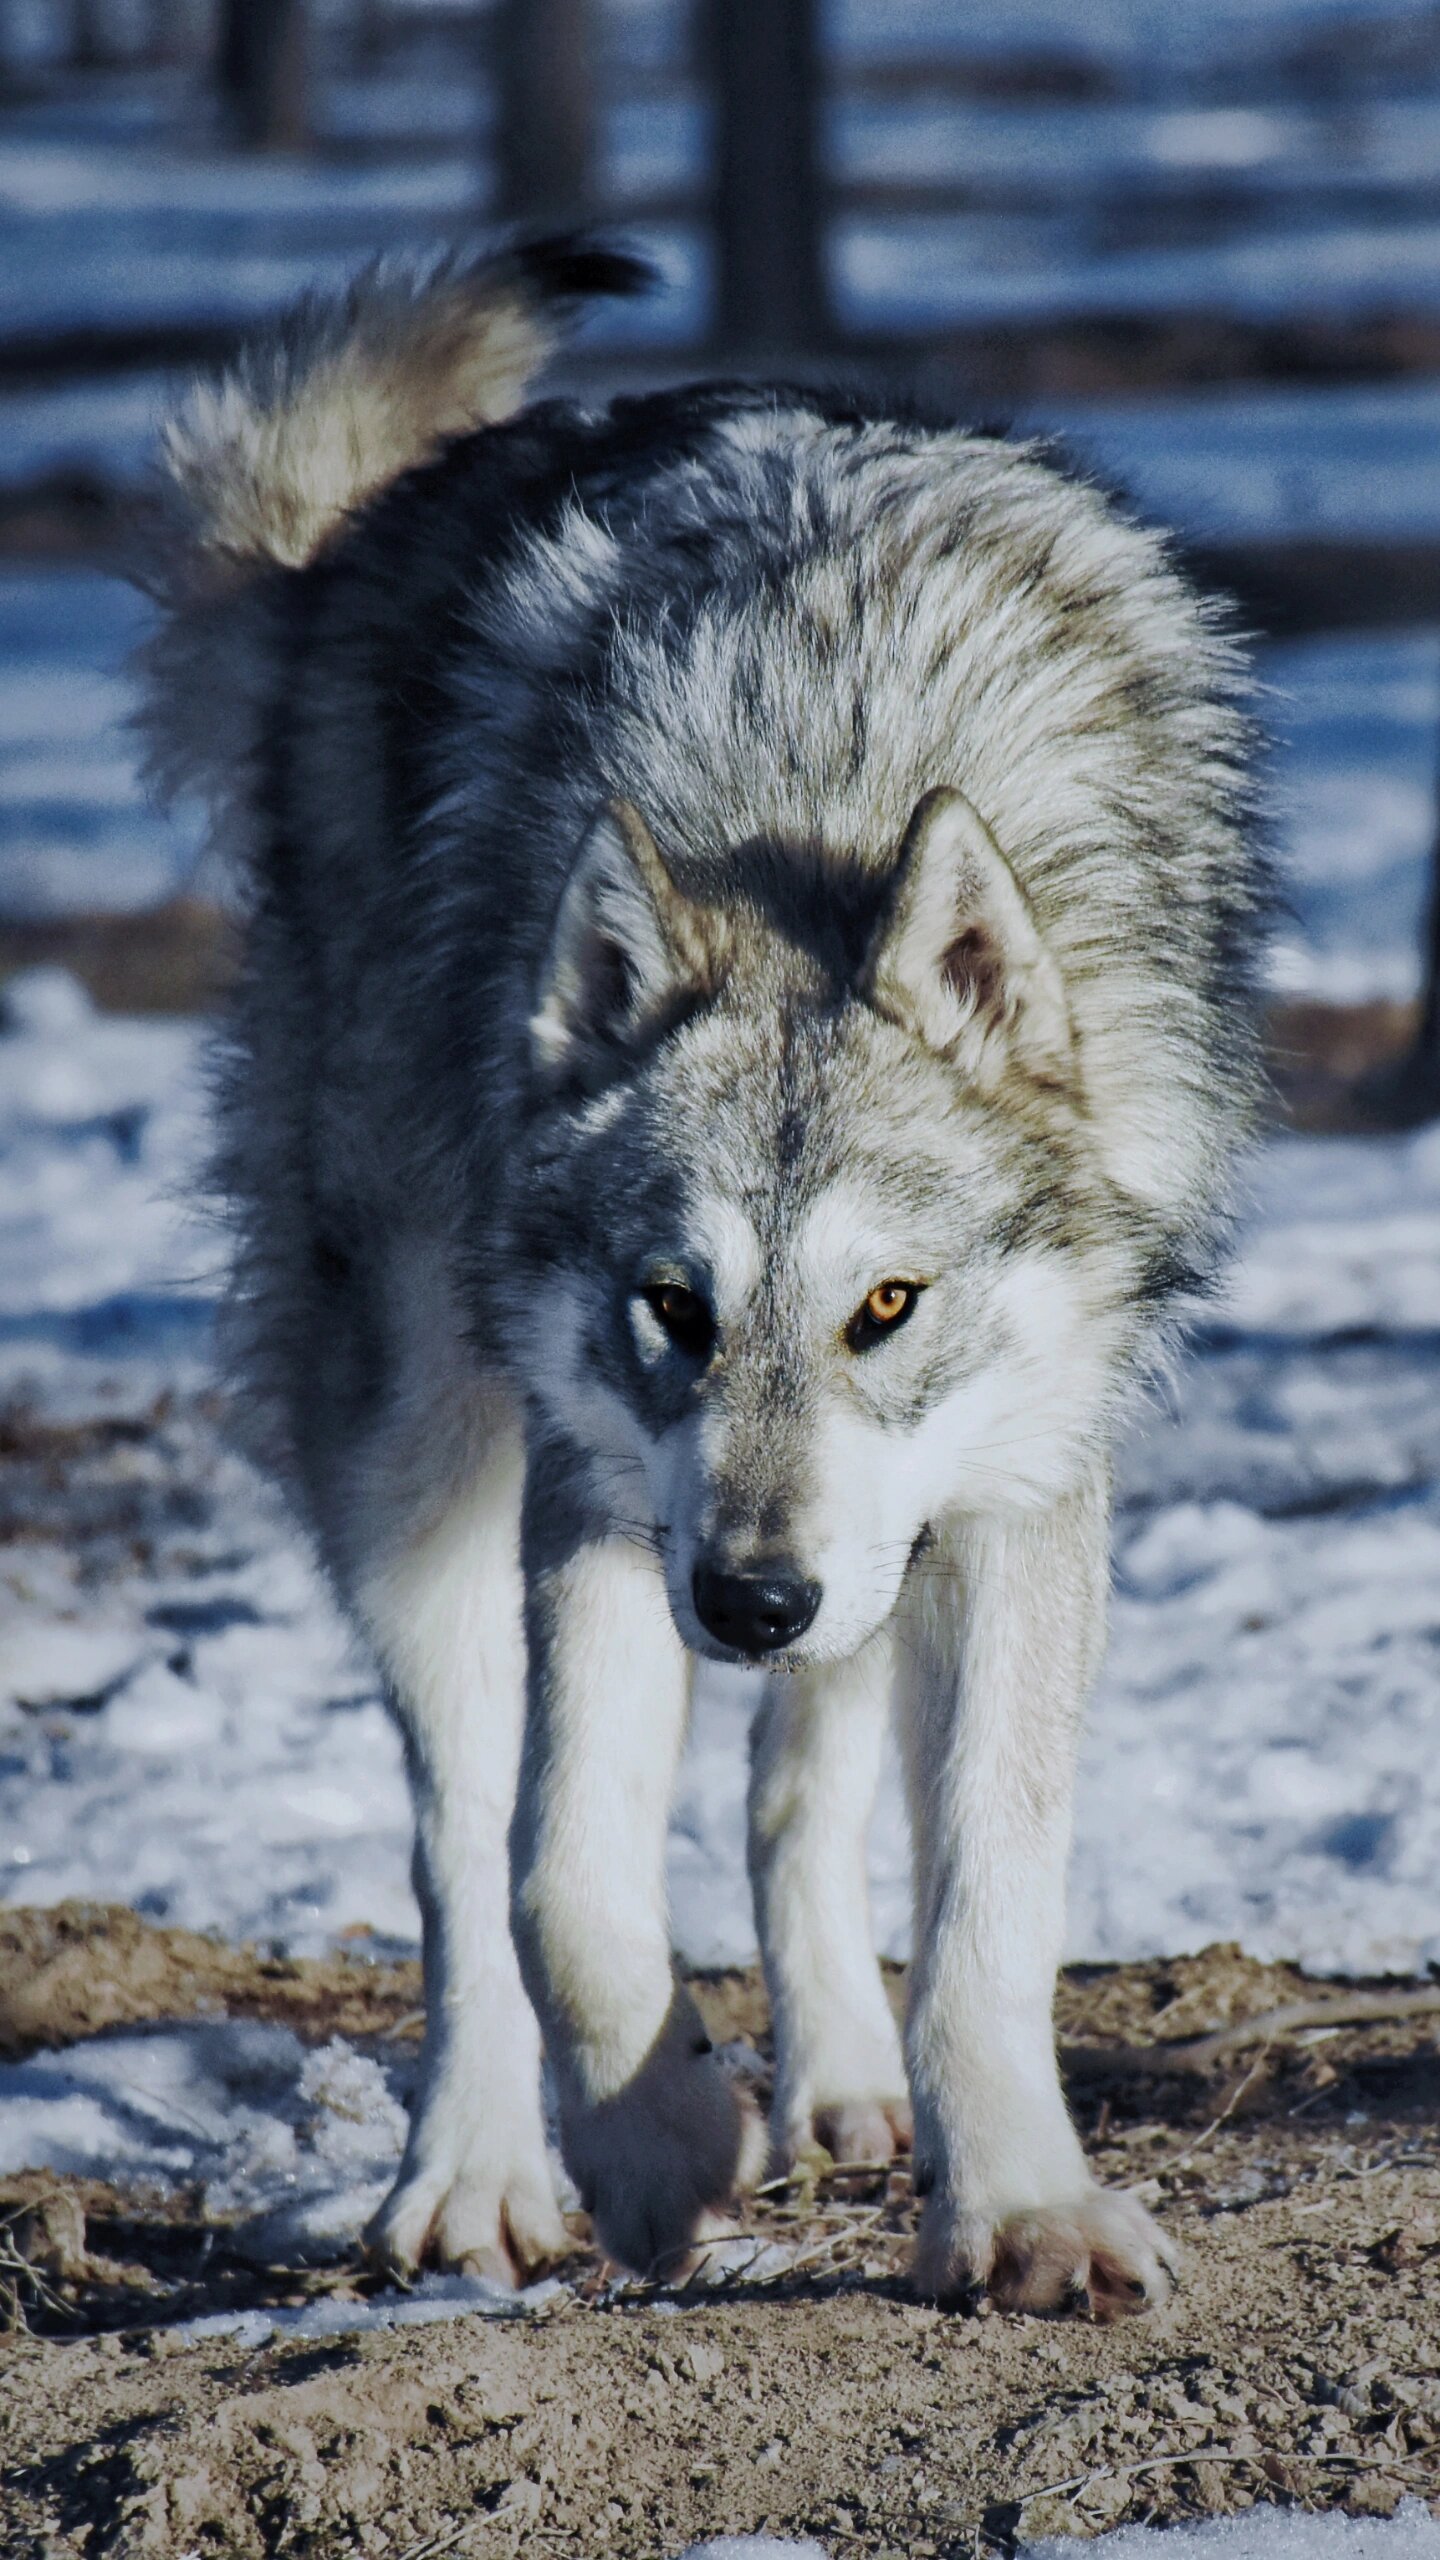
(815, 1763)
(592, 1883)
(721, 1241)
(842, 1247)
(655, 2134)
(444, 1616)
(1012, 1437)
(990, 1706)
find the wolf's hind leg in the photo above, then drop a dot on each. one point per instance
(815, 1762)
(991, 1701)
(474, 2188)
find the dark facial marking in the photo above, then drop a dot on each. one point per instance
(684, 1316)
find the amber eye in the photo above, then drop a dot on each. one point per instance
(684, 1315)
(884, 1311)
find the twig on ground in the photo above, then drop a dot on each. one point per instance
(1197, 2053)
(431, 2545)
(1168, 2167)
(1076, 2487)
(23, 2285)
(802, 2179)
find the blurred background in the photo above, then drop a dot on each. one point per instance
(1202, 244)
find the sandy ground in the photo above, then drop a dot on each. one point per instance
(1299, 2361)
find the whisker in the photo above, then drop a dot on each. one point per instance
(638, 1534)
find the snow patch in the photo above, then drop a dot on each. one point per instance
(753, 2546)
(429, 2299)
(1267, 2533)
(1263, 2533)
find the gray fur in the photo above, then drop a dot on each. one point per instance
(598, 779)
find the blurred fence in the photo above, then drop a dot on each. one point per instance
(1114, 132)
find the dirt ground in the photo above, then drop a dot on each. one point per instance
(1300, 2360)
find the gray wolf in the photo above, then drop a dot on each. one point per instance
(743, 1035)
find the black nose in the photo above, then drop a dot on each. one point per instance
(754, 1612)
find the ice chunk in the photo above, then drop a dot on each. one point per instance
(299, 2147)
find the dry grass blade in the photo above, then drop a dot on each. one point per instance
(23, 2288)
(42, 2250)
(855, 2225)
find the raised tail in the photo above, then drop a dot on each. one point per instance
(261, 469)
(351, 389)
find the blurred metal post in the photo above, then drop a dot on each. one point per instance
(1405, 1092)
(369, 27)
(763, 64)
(543, 58)
(172, 33)
(1420, 1072)
(90, 44)
(261, 69)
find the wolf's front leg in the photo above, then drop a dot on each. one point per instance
(815, 1761)
(1003, 1631)
(653, 2132)
(444, 1611)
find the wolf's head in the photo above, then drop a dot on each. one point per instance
(816, 1247)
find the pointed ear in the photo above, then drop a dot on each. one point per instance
(958, 958)
(626, 943)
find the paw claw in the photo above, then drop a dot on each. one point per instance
(504, 2228)
(1102, 2250)
(492, 2266)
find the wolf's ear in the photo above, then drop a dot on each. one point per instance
(626, 944)
(958, 957)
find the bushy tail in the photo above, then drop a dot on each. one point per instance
(352, 389)
(263, 467)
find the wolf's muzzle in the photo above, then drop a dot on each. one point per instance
(754, 1612)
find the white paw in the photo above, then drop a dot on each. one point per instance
(855, 2129)
(492, 2213)
(658, 2164)
(1099, 2247)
